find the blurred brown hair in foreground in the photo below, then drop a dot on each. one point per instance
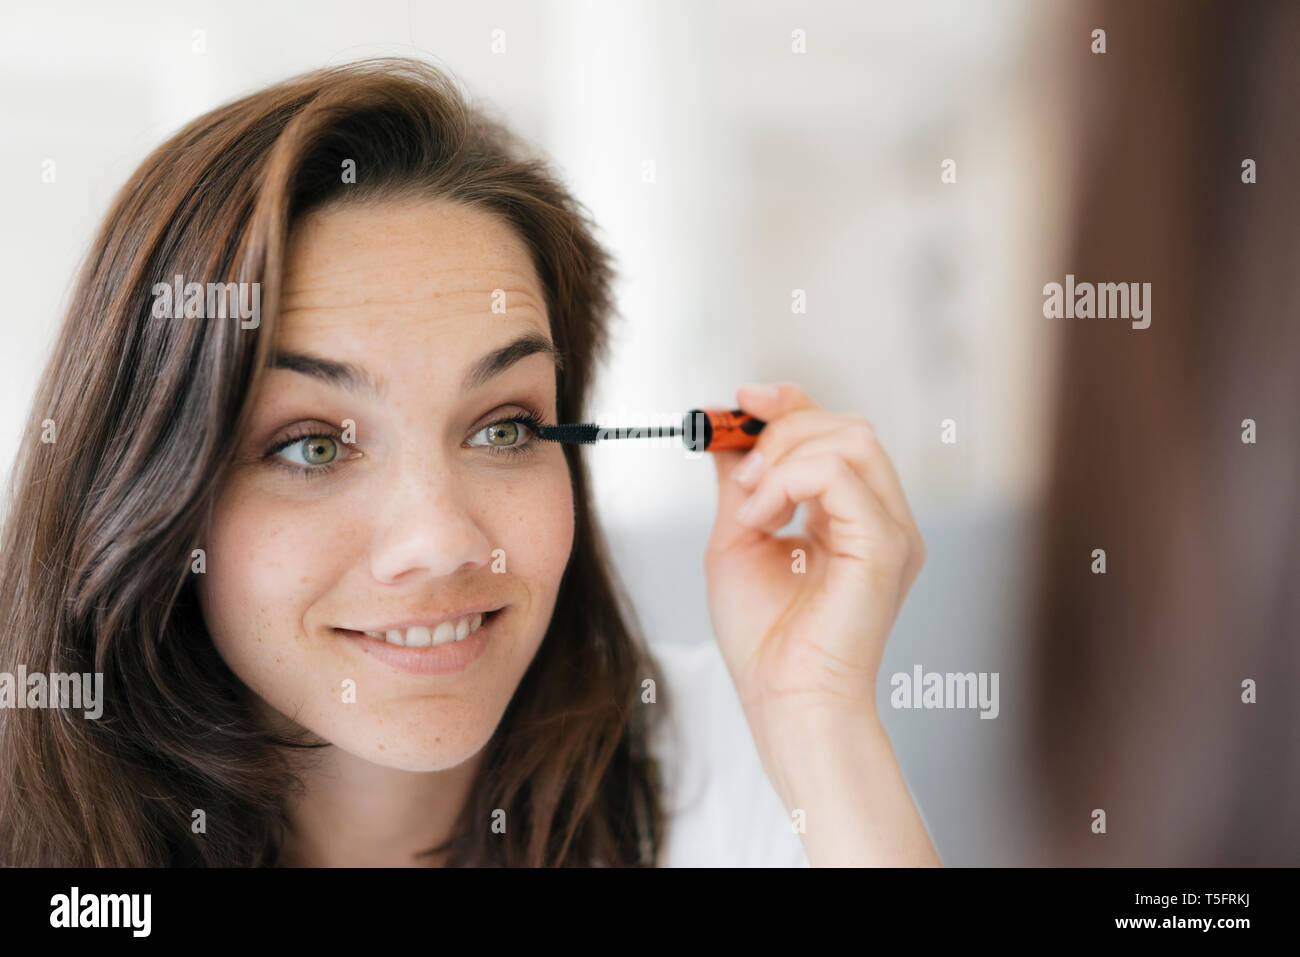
(1141, 671)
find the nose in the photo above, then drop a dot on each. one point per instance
(426, 525)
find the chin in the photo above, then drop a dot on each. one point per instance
(415, 743)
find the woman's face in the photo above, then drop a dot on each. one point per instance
(425, 513)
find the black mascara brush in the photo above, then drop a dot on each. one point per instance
(702, 430)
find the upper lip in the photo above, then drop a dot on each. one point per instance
(431, 621)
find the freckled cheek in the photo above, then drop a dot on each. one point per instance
(266, 566)
(532, 520)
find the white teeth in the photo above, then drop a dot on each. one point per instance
(444, 633)
(421, 636)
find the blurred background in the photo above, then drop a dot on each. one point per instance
(769, 178)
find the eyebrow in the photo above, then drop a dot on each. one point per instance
(356, 378)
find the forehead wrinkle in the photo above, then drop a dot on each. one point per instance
(367, 306)
(325, 254)
(343, 262)
(517, 311)
(295, 286)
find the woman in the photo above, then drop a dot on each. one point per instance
(349, 609)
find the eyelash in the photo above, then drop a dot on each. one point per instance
(529, 418)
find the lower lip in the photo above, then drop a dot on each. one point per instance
(448, 658)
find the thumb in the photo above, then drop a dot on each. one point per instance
(763, 403)
(727, 532)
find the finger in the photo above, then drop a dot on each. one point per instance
(865, 550)
(772, 446)
(784, 399)
(861, 450)
(850, 435)
(864, 467)
(884, 481)
(769, 402)
(857, 524)
(827, 443)
(727, 532)
(781, 435)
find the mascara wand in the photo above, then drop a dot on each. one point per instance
(702, 430)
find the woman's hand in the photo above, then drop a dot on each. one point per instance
(802, 620)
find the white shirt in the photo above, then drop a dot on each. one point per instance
(722, 809)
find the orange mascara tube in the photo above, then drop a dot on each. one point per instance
(701, 430)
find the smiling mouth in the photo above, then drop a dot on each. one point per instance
(418, 636)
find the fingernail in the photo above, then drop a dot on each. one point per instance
(749, 468)
(765, 391)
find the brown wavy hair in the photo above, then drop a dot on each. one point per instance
(95, 574)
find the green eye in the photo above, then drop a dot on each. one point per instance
(320, 450)
(510, 435)
(314, 450)
(502, 434)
